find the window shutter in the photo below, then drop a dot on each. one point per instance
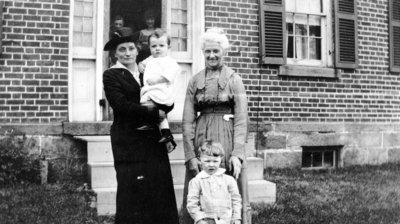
(394, 32)
(346, 55)
(272, 25)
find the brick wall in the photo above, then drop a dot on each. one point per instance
(34, 62)
(368, 94)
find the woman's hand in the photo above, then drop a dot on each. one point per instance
(236, 165)
(194, 166)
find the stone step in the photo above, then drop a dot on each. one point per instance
(102, 174)
(99, 148)
(259, 191)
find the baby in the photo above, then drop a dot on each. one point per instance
(160, 71)
(213, 196)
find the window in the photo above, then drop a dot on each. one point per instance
(300, 32)
(307, 33)
(394, 31)
(179, 24)
(83, 31)
(320, 157)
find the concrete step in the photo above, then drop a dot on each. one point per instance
(259, 191)
(102, 174)
(178, 153)
(98, 148)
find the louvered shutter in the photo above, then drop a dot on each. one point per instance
(394, 30)
(346, 55)
(272, 28)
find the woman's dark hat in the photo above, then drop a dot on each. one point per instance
(122, 35)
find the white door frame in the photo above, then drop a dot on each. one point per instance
(197, 60)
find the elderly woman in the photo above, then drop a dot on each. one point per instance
(145, 192)
(216, 109)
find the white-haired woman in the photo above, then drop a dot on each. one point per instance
(216, 109)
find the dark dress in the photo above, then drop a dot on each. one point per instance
(145, 192)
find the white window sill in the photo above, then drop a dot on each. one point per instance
(308, 71)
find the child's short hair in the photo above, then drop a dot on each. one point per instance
(211, 148)
(160, 33)
(118, 17)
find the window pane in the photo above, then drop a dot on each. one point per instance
(87, 25)
(301, 48)
(328, 159)
(78, 11)
(315, 48)
(179, 25)
(88, 9)
(315, 26)
(317, 159)
(78, 23)
(307, 159)
(290, 47)
(83, 23)
(179, 16)
(289, 28)
(179, 4)
(301, 25)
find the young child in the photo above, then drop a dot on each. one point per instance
(213, 196)
(160, 71)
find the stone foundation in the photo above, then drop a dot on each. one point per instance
(281, 144)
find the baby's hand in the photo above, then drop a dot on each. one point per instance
(150, 82)
(141, 67)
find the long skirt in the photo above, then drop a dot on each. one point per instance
(145, 193)
(212, 126)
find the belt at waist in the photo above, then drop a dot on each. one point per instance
(219, 110)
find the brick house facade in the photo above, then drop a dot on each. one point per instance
(354, 112)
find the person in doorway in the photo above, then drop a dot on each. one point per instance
(145, 192)
(160, 71)
(144, 34)
(117, 23)
(215, 108)
(213, 196)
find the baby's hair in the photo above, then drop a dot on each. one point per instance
(160, 33)
(211, 148)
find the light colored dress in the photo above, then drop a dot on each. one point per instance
(214, 196)
(212, 98)
(161, 93)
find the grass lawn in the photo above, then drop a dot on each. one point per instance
(356, 195)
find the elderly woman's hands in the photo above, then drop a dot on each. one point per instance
(236, 165)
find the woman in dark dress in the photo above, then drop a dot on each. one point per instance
(145, 192)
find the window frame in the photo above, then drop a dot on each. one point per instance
(323, 150)
(326, 38)
(166, 23)
(343, 19)
(79, 52)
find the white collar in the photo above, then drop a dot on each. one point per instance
(203, 173)
(119, 65)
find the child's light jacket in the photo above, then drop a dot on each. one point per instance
(214, 196)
